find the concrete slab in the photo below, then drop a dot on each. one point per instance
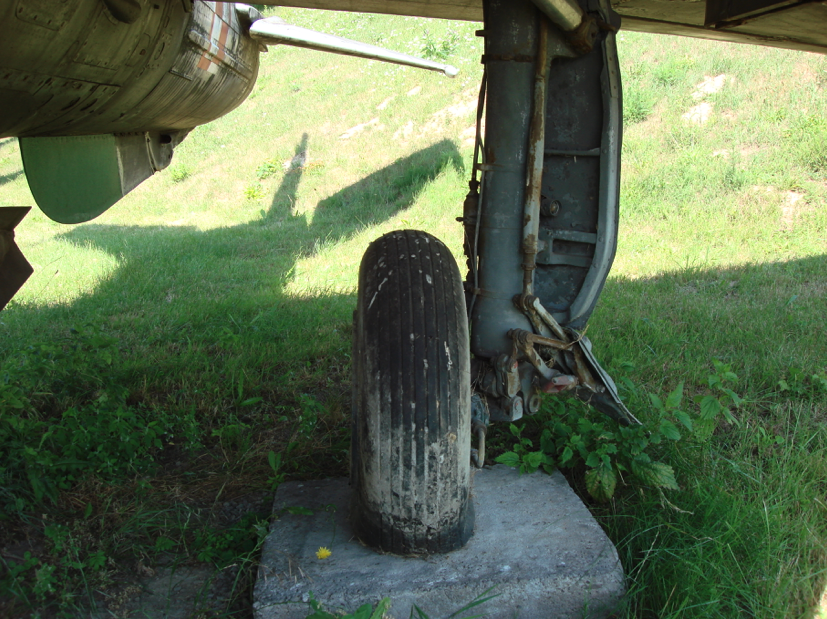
(534, 542)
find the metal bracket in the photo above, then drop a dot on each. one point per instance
(14, 268)
(590, 382)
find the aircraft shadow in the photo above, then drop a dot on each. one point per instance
(250, 264)
(11, 176)
(762, 312)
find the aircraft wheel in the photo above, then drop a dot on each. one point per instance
(410, 450)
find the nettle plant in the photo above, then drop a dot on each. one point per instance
(575, 435)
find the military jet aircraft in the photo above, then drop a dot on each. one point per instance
(100, 92)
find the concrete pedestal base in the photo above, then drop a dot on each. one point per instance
(535, 545)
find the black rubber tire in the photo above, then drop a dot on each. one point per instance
(411, 439)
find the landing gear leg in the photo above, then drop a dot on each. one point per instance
(545, 230)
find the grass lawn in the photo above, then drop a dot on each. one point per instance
(171, 362)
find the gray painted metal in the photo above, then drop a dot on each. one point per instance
(583, 115)
(273, 31)
(14, 268)
(608, 401)
(800, 26)
(510, 46)
(76, 178)
(565, 14)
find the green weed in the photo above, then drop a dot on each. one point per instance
(673, 70)
(439, 50)
(254, 192)
(575, 435)
(368, 611)
(268, 169)
(221, 547)
(64, 416)
(808, 137)
(180, 172)
(637, 107)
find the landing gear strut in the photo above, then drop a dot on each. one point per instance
(540, 236)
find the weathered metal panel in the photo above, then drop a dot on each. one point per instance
(85, 71)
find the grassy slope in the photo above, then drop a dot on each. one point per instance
(228, 278)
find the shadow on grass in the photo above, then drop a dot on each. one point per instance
(197, 310)
(203, 315)
(174, 281)
(11, 176)
(203, 323)
(206, 322)
(763, 318)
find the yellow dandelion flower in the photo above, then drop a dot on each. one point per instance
(323, 553)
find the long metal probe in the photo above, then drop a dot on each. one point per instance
(273, 31)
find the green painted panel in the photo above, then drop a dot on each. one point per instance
(73, 179)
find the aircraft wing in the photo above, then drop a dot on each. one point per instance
(777, 23)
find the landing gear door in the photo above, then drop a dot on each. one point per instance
(581, 179)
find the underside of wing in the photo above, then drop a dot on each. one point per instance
(777, 23)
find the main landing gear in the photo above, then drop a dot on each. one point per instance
(540, 225)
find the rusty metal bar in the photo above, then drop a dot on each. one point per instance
(534, 165)
(524, 341)
(533, 338)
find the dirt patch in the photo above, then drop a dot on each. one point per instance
(385, 103)
(187, 591)
(373, 123)
(698, 114)
(709, 86)
(803, 73)
(437, 123)
(790, 209)
(469, 135)
(405, 132)
(439, 120)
